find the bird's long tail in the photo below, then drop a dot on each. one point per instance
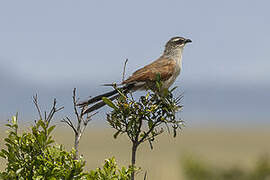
(97, 100)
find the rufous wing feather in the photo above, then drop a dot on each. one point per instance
(163, 66)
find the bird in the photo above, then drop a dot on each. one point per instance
(168, 66)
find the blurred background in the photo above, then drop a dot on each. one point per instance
(50, 47)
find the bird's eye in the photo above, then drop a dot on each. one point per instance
(181, 41)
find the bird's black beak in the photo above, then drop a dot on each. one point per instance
(188, 41)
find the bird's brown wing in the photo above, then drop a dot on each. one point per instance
(163, 66)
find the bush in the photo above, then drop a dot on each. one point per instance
(143, 120)
(32, 155)
(110, 171)
(198, 170)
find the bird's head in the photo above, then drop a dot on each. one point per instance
(175, 46)
(177, 42)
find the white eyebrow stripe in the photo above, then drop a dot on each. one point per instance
(177, 39)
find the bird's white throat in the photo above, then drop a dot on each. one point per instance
(175, 54)
(178, 56)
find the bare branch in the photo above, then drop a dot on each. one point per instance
(124, 70)
(45, 115)
(82, 122)
(150, 138)
(145, 175)
(75, 105)
(35, 101)
(88, 118)
(52, 111)
(148, 132)
(69, 122)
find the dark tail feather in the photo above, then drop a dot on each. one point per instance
(97, 98)
(99, 105)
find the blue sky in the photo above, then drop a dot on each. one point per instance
(49, 47)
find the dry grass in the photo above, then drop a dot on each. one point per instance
(218, 146)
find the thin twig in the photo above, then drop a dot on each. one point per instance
(124, 70)
(45, 114)
(145, 174)
(82, 122)
(88, 118)
(52, 111)
(69, 122)
(148, 132)
(75, 104)
(35, 100)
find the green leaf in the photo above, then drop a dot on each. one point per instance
(9, 141)
(174, 88)
(150, 124)
(158, 77)
(14, 119)
(3, 155)
(158, 85)
(109, 102)
(19, 170)
(42, 124)
(50, 129)
(165, 92)
(50, 141)
(116, 134)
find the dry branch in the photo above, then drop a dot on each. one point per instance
(53, 110)
(82, 121)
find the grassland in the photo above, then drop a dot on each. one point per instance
(222, 147)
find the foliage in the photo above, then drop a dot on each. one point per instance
(198, 170)
(32, 156)
(110, 171)
(143, 119)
